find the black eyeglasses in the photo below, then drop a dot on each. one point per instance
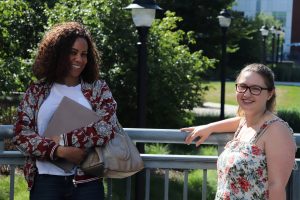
(255, 90)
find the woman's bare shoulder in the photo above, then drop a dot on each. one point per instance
(280, 132)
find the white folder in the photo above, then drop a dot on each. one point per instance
(69, 116)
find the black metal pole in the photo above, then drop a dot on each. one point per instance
(142, 76)
(273, 49)
(281, 51)
(223, 72)
(277, 48)
(141, 103)
(263, 57)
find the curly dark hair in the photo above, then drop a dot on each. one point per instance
(52, 63)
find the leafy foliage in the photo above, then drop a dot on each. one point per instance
(175, 73)
(200, 16)
(17, 37)
(250, 47)
(243, 36)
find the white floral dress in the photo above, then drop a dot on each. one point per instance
(242, 169)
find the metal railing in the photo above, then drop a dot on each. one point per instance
(157, 161)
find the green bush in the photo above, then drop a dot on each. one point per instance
(157, 148)
(284, 71)
(292, 118)
(296, 74)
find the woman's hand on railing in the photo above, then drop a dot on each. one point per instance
(200, 133)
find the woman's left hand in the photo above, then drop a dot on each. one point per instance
(55, 138)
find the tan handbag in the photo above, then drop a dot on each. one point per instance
(119, 158)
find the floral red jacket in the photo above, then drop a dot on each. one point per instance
(34, 147)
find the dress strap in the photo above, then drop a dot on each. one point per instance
(265, 126)
(263, 129)
(239, 129)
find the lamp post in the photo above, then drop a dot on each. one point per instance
(143, 14)
(278, 32)
(282, 43)
(224, 22)
(264, 33)
(273, 32)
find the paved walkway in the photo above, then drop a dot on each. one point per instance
(209, 108)
(287, 83)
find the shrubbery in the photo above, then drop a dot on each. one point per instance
(292, 117)
(286, 71)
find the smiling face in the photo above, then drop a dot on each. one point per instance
(78, 60)
(248, 102)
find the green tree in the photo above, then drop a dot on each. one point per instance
(174, 72)
(21, 25)
(243, 37)
(17, 33)
(250, 47)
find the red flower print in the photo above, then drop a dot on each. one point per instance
(226, 196)
(259, 171)
(256, 150)
(264, 180)
(244, 184)
(267, 194)
(234, 188)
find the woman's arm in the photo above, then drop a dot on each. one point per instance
(280, 151)
(204, 131)
(26, 139)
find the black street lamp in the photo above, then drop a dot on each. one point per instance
(224, 21)
(273, 32)
(278, 32)
(264, 33)
(143, 14)
(282, 43)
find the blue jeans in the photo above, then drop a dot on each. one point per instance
(51, 187)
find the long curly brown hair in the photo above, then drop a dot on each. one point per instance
(52, 63)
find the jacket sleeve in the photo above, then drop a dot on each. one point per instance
(26, 139)
(100, 132)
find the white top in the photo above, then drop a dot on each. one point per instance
(58, 91)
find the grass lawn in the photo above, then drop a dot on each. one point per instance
(21, 192)
(287, 96)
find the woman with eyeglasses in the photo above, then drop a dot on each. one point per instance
(257, 162)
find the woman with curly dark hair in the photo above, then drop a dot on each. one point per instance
(66, 65)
